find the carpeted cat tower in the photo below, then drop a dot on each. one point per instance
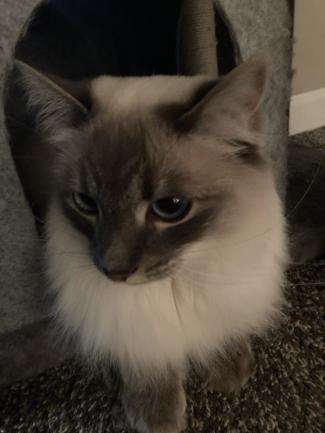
(130, 38)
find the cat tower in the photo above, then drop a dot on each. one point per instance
(139, 38)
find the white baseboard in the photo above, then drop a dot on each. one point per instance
(307, 111)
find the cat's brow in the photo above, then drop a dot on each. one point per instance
(91, 179)
(208, 196)
(193, 192)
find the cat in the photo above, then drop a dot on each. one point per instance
(166, 240)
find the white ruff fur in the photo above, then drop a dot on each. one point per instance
(227, 285)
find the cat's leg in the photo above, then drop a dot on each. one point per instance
(230, 371)
(155, 403)
(112, 377)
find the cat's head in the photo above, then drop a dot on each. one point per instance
(147, 167)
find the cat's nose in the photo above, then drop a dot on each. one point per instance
(119, 275)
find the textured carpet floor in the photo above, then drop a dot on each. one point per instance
(315, 139)
(286, 394)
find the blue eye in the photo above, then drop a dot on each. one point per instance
(171, 209)
(84, 203)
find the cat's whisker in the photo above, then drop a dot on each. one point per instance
(186, 277)
(26, 158)
(82, 267)
(230, 244)
(183, 269)
(212, 284)
(71, 253)
(307, 283)
(304, 195)
(186, 271)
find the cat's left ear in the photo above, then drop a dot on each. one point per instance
(231, 109)
(55, 102)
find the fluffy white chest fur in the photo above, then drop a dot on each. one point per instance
(226, 286)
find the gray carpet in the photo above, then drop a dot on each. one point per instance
(315, 139)
(286, 394)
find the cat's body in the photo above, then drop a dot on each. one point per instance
(138, 288)
(226, 286)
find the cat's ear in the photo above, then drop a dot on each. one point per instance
(55, 102)
(231, 108)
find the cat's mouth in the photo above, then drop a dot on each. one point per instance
(141, 277)
(138, 278)
(134, 275)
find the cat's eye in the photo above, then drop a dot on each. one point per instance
(84, 203)
(171, 209)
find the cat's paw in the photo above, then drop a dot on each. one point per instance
(231, 373)
(156, 415)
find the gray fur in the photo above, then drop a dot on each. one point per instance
(228, 372)
(154, 404)
(28, 351)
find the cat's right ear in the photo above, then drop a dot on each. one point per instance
(56, 103)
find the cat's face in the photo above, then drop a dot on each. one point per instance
(153, 167)
(140, 194)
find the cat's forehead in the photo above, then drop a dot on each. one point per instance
(144, 157)
(125, 95)
(130, 143)
(129, 153)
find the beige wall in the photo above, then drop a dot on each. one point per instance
(309, 48)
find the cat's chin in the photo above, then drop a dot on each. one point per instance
(137, 279)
